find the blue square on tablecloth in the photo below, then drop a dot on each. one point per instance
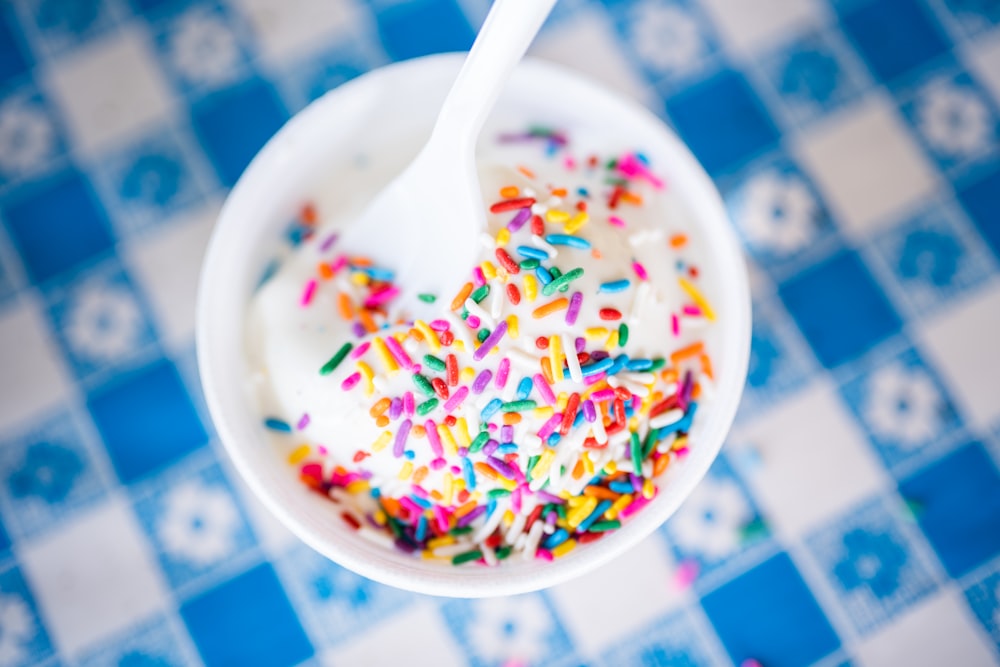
(26, 641)
(411, 29)
(839, 308)
(722, 121)
(56, 224)
(975, 15)
(14, 54)
(147, 420)
(984, 599)
(957, 503)
(980, 196)
(233, 124)
(671, 641)
(4, 539)
(156, 642)
(769, 614)
(247, 620)
(894, 36)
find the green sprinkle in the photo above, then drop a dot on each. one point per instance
(427, 298)
(529, 264)
(461, 530)
(504, 551)
(636, 453)
(335, 360)
(476, 554)
(555, 272)
(423, 384)
(561, 281)
(648, 444)
(561, 511)
(519, 406)
(604, 526)
(479, 442)
(481, 293)
(754, 529)
(658, 363)
(427, 406)
(497, 493)
(482, 335)
(622, 334)
(434, 363)
(532, 462)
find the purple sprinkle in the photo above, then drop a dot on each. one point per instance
(547, 497)
(395, 408)
(476, 512)
(490, 341)
(597, 355)
(463, 452)
(552, 517)
(358, 329)
(400, 445)
(574, 307)
(636, 482)
(580, 343)
(506, 433)
(501, 467)
(589, 411)
(503, 370)
(684, 395)
(481, 381)
(518, 220)
(328, 243)
(490, 447)
(303, 421)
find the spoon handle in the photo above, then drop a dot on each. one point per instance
(508, 30)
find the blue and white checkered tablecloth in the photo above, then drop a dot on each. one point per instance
(854, 517)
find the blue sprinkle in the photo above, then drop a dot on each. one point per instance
(543, 275)
(506, 448)
(421, 529)
(276, 424)
(491, 409)
(377, 273)
(569, 240)
(469, 474)
(555, 539)
(409, 454)
(578, 419)
(524, 388)
(553, 440)
(639, 365)
(532, 253)
(621, 361)
(597, 367)
(426, 504)
(583, 192)
(621, 487)
(601, 508)
(615, 286)
(491, 506)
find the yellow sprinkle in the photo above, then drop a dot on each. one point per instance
(612, 341)
(299, 455)
(564, 548)
(385, 356)
(576, 222)
(576, 516)
(467, 373)
(588, 465)
(406, 470)
(544, 463)
(618, 506)
(442, 541)
(505, 483)
(462, 426)
(561, 400)
(508, 517)
(543, 412)
(358, 486)
(381, 519)
(489, 271)
(555, 354)
(449, 488)
(359, 279)
(458, 345)
(610, 468)
(513, 330)
(555, 215)
(503, 236)
(429, 335)
(648, 489)
(382, 441)
(368, 374)
(697, 297)
(530, 287)
(595, 333)
(448, 440)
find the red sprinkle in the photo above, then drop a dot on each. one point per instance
(512, 204)
(513, 295)
(446, 338)
(623, 394)
(450, 421)
(360, 456)
(350, 520)
(537, 225)
(542, 343)
(440, 388)
(507, 262)
(569, 414)
(610, 314)
(451, 370)
(584, 538)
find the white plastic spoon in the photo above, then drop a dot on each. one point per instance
(425, 225)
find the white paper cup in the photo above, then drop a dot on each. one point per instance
(397, 104)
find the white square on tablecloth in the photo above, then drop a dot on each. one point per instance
(814, 460)
(285, 28)
(866, 165)
(109, 90)
(415, 636)
(750, 25)
(939, 631)
(166, 262)
(983, 59)
(962, 343)
(643, 575)
(587, 42)
(93, 577)
(34, 375)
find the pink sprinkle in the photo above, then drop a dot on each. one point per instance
(694, 311)
(515, 501)
(307, 294)
(398, 352)
(472, 321)
(360, 350)
(322, 450)
(408, 403)
(595, 378)
(440, 325)
(478, 279)
(303, 421)
(574, 307)
(550, 426)
(616, 221)
(544, 390)
(602, 395)
(634, 507)
(456, 399)
(503, 370)
(380, 297)
(438, 463)
(569, 162)
(350, 381)
(544, 554)
(687, 572)
(640, 270)
(414, 509)
(682, 452)
(631, 166)
(441, 517)
(675, 324)
(433, 438)
(339, 263)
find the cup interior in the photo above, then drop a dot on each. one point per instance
(395, 107)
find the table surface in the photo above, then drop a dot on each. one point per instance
(854, 516)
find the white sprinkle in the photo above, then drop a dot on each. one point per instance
(600, 434)
(664, 446)
(491, 524)
(666, 419)
(534, 537)
(484, 317)
(487, 241)
(641, 294)
(489, 555)
(381, 384)
(449, 550)
(569, 350)
(516, 528)
(379, 538)
(496, 300)
(461, 330)
(542, 244)
(641, 378)
(524, 361)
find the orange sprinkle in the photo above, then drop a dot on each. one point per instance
(578, 469)
(325, 271)
(692, 350)
(462, 510)
(547, 369)
(391, 505)
(706, 366)
(417, 334)
(669, 375)
(550, 307)
(696, 391)
(559, 192)
(525, 171)
(511, 418)
(678, 240)
(418, 431)
(382, 421)
(485, 470)
(419, 475)
(509, 192)
(660, 465)
(380, 407)
(600, 492)
(308, 214)
(631, 198)
(344, 306)
(367, 322)
(361, 261)
(462, 295)
(436, 495)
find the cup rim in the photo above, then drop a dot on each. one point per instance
(457, 582)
